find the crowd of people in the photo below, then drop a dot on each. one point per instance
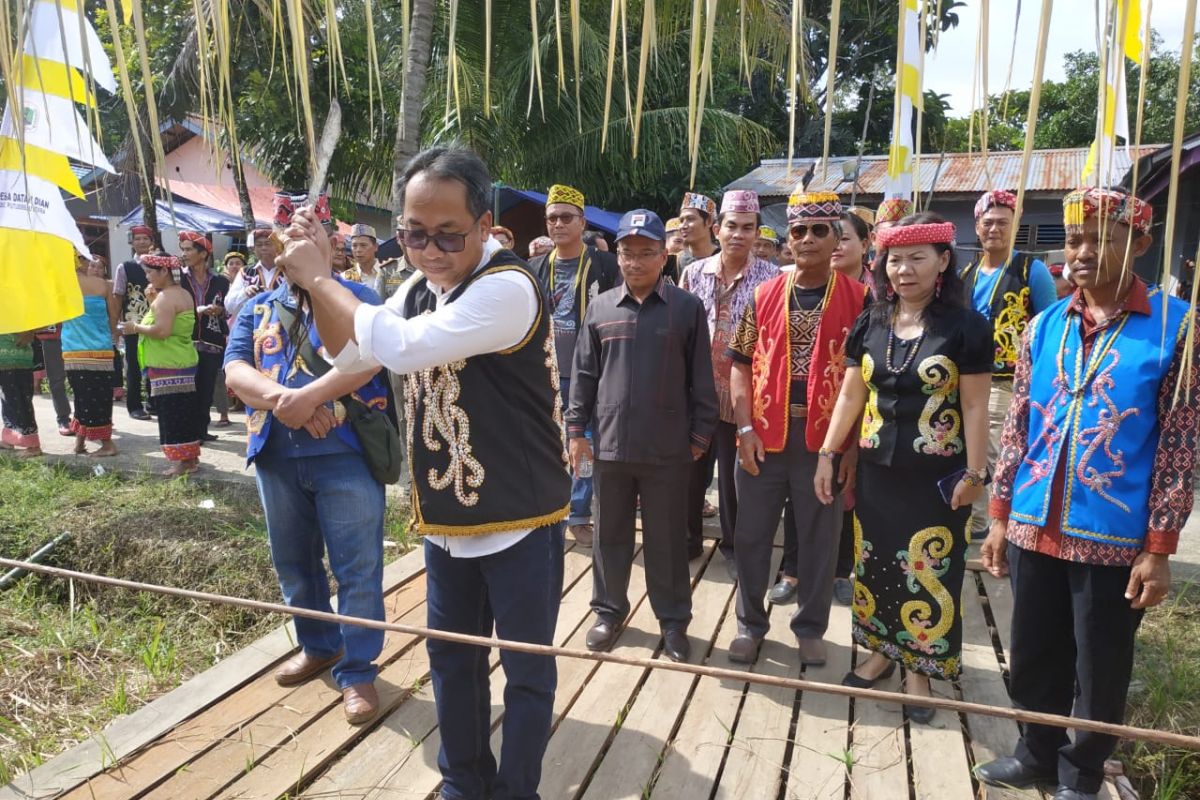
(847, 379)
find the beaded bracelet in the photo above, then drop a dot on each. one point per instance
(975, 477)
(825, 452)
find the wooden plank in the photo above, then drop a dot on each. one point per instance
(982, 682)
(402, 734)
(999, 596)
(130, 733)
(755, 762)
(692, 759)
(194, 737)
(938, 751)
(631, 759)
(818, 766)
(278, 729)
(600, 706)
(418, 774)
(880, 770)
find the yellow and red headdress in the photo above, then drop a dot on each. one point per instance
(1112, 204)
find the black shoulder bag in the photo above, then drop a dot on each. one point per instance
(375, 431)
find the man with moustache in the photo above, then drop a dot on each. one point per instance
(789, 360)
(1093, 485)
(643, 380)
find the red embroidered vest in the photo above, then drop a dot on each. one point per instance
(771, 364)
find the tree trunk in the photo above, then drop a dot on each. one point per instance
(412, 95)
(243, 191)
(147, 188)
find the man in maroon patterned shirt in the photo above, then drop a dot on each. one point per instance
(1093, 484)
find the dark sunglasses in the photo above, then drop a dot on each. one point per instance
(564, 219)
(819, 229)
(419, 240)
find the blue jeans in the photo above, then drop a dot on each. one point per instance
(518, 590)
(581, 488)
(318, 503)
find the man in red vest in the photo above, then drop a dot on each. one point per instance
(789, 360)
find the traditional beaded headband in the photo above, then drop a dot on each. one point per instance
(926, 233)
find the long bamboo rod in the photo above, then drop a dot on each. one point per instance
(835, 18)
(945, 704)
(1035, 99)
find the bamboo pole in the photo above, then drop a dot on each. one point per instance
(835, 17)
(1035, 99)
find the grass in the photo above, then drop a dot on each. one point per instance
(1165, 695)
(74, 656)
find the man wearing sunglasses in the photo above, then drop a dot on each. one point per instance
(789, 359)
(572, 275)
(472, 338)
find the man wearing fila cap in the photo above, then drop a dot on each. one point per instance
(1009, 289)
(643, 380)
(1094, 483)
(129, 289)
(572, 275)
(789, 361)
(725, 283)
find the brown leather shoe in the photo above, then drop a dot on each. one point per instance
(744, 649)
(582, 534)
(360, 702)
(302, 666)
(812, 652)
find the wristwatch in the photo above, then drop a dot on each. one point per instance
(742, 431)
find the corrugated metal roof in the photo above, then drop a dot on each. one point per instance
(956, 173)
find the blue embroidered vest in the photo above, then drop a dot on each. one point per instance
(1104, 410)
(277, 358)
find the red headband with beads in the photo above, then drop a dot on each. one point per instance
(926, 233)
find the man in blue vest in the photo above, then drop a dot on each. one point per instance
(1009, 288)
(1093, 486)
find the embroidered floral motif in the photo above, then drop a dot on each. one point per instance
(1009, 325)
(1102, 435)
(556, 390)
(945, 668)
(762, 397)
(831, 380)
(864, 600)
(940, 423)
(1050, 435)
(926, 560)
(872, 422)
(437, 393)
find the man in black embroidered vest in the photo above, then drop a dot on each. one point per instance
(643, 378)
(1009, 288)
(573, 274)
(129, 289)
(490, 485)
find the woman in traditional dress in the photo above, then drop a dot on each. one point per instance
(208, 292)
(918, 373)
(88, 357)
(166, 352)
(20, 431)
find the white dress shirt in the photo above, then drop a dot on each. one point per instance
(493, 314)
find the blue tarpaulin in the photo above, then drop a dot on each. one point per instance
(189, 217)
(597, 218)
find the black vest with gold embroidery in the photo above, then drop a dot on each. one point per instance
(1009, 310)
(485, 434)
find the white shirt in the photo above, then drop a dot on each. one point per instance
(237, 290)
(494, 313)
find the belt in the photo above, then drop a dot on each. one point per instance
(798, 410)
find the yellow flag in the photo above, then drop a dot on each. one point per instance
(38, 162)
(25, 304)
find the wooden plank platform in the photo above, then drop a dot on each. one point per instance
(621, 733)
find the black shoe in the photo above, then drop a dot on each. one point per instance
(922, 714)
(676, 644)
(744, 649)
(782, 592)
(843, 591)
(858, 682)
(139, 414)
(602, 636)
(1011, 772)
(1067, 793)
(208, 437)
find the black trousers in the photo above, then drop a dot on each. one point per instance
(845, 554)
(723, 454)
(1072, 650)
(133, 375)
(207, 370)
(663, 490)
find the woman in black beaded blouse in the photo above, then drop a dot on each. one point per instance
(918, 374)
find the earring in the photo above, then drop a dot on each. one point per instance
(937, 287)
(891, 292)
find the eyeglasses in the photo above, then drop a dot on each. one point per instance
(641, 255)
(561, 219)
(419, 240)
(819, 230)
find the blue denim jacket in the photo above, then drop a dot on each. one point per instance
(259, 338)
